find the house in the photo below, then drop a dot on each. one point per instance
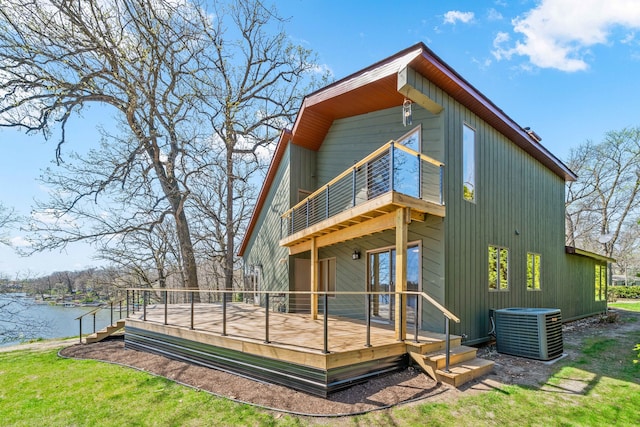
(403, 177)
(400, 209)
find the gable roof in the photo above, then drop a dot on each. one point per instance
(375, 88)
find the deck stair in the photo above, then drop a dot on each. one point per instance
(464, 366)
(106, 332)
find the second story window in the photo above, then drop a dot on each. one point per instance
(468, 163)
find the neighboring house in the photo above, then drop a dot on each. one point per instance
(464, 205)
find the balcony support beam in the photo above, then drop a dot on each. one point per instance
(402, 220)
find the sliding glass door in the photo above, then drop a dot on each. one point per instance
(381, 271)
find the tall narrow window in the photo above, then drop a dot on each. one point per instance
(498, 268)
(601, 282)
(533, 272)
(469, 163)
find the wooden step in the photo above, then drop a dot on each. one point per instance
(464, 366)
(464, 372)
(104, 333)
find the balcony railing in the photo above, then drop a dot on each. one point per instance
(392, 167)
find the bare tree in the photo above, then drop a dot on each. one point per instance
(603, 205)
(8, 218)
(179, 79)
(258, 79)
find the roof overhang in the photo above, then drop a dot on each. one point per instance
(376, 88)
(581, 252)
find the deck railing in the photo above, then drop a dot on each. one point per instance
(178, 307)
(94, 312)
(392, 167)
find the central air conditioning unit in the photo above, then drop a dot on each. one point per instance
(535, 333)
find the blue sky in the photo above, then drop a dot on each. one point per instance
(569, 69)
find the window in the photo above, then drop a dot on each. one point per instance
(601, 282)
(498, 268)
(327, 276)
(412, 139)
(533, 271)
(468, 163)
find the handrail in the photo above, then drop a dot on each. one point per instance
(79, 318)
(94, 312)
(449, 315)
(382, 149)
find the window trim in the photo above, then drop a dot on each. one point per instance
(498, 287)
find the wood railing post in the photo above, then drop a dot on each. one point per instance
(327, 203)
(326, 323)
(191, 327)
(391, 166)
(266, 319)
(415, 321)
(224, 313)
(368, 318)
(446, 344)
(419, 177)
(166, 306)
(353, 187)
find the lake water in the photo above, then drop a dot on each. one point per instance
(59, 321)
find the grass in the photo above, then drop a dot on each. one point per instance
(599, 387)
(631, 306)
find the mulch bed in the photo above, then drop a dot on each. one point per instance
(378, 393)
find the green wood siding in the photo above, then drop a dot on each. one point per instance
(352, 139)
(303, 171)
(263, 247)
(519, 205)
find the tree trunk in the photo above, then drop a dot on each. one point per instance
(229, 254)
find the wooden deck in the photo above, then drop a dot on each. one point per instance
(294, 354)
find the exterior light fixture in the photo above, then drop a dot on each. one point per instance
(355, 254)
(406, 112)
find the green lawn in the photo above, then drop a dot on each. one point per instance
(601, 387)
(631, 306)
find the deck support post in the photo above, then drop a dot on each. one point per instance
(326, 323)
(191, 327)
(224, 312)
(314, 280)
(403, 218)
(166, 308)
(367, 303)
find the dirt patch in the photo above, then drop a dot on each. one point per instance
(406, 386)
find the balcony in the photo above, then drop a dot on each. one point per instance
(362, 200)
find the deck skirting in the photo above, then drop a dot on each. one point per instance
(310, 379)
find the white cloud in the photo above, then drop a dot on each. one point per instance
(558, 33)
(19, 242)
(494, 15)
(455, 16)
